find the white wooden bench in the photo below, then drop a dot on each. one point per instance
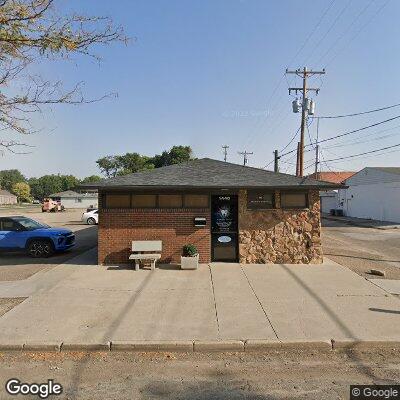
(142, 249)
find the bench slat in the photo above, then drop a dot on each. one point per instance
(147, 245)
(144, 256)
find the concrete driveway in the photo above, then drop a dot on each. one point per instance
(81, 302)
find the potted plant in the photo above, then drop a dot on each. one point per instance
(190, 257)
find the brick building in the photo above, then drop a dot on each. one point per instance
(229, 212)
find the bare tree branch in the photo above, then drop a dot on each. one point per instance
(31, 30)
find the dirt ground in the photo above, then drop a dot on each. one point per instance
(362, 249)
(230, 376)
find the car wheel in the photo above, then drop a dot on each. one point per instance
(40, 248)
(91, 221)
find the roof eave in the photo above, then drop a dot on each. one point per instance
(198, 187)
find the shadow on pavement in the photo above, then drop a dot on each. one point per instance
(124, 267)
(384, 311)
(361, 258)
(223, 387)
(113, 325)
(363, 368)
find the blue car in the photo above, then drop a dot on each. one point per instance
(38, 240)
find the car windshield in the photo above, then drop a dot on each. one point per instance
(30, 224)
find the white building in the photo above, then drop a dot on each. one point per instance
(7, 198)
(329, 198)
(71, 199)
(373, 193)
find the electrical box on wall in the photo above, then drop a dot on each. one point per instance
(200, 221)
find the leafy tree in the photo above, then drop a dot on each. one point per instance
(176, 155)
(108, 165)
(133, 162)
(91, 179)
(45, 185)
(31, 31)
(9, 177)
(48, 184)
(35, 186)
(22, 190)
(68, 182)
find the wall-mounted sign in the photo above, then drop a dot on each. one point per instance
(224, 239)
(200, 221)
(260, 200)
(224, 213)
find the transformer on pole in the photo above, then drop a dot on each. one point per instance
(307, 108)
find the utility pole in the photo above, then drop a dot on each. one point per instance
(245, 154)
(307, 107)
(276, 160)
(316, 160)
(225, 147)
(317, 152)
(298, 159)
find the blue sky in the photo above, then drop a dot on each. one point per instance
(203, 73)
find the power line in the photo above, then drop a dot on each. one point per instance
(291, 140)
(357, 130)
(250, 137)
(348, 42)
(362, 141)
(360, 113)
(346, 133)
(361, 154)
(312, 32)
(329, 30)
(344, 32)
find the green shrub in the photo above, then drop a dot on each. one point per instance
(189, 250)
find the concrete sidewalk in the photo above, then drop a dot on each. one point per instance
(89, 304)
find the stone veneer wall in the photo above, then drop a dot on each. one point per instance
(280, 236)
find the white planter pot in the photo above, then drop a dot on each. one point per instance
(190, 262)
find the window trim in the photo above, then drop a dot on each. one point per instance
(157, 206)
(255, 191)
(305, 192)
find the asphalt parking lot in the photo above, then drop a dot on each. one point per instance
(18, 266)
(362, 249)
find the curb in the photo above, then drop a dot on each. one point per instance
(204, 346)
(42, 346)
(151, 346)
(11, 347)
(364, 344)
(218, 345)
(86, 346)
(263, 345)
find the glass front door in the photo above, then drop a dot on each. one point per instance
(224, 228)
